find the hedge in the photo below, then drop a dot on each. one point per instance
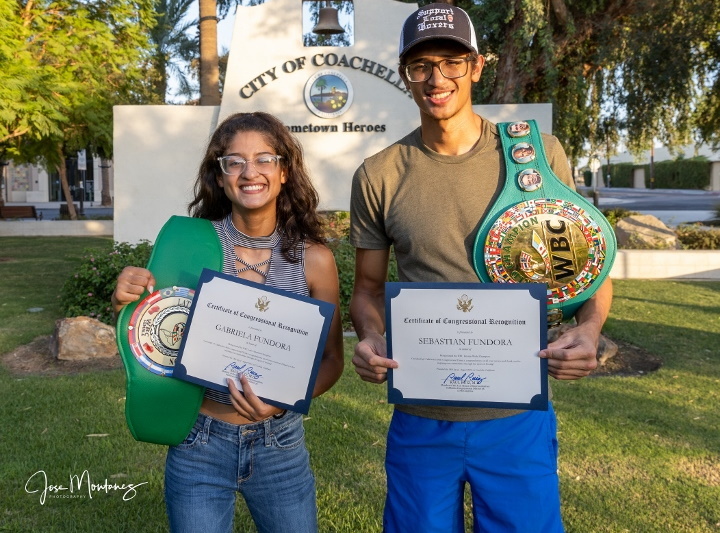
(691, 173)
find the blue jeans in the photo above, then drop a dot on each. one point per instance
(509, 463)
(267, 462)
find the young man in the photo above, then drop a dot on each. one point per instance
(427, 195)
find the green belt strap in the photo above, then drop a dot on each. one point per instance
(541, 230)
(159, 409)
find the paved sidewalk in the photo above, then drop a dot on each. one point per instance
(51, 210)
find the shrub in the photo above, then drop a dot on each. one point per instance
(337, 224)
(694, 237)
(621, 174)
(615, 214)
(88, 291)
(680, 173)
(344, 253)
(587, 178)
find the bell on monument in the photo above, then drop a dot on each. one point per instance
(328, 23)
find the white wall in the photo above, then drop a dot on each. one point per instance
(157, 153)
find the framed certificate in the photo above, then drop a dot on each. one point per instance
(274, 338)
(467, 344)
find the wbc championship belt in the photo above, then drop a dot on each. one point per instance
(159, 408)
(541, 231)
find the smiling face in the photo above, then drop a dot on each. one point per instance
(251, 190)
(440, 98)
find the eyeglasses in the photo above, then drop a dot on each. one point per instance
(454, 67)
(233, 165)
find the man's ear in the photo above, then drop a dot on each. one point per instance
(403, 78)
(477, 68)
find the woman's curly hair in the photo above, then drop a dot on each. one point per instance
(297, 216)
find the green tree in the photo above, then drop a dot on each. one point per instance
(647, 66)
(650, 67)
(321, 84)
(64, 64)
(173, 47)
(28, 98)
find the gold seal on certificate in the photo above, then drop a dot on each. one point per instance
(274, 338)
(467, 344)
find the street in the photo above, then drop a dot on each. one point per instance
(669, 205)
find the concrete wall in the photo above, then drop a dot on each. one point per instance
(157, 153)
(667, 264)
(639, 178)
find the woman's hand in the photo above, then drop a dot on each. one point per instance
(131, 284)
(247, 404)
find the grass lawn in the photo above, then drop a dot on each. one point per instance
(636, 454)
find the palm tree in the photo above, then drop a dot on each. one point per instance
(210, 75)
(173, 45)
(321, 84)
(209, 69)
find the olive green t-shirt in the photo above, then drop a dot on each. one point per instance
(429, 207)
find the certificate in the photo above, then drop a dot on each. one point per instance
(274, 338)
(467, 344)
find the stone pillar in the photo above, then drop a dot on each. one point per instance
(639, 178)
(715, 176)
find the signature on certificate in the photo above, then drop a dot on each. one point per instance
(243, 369)
(463, 379)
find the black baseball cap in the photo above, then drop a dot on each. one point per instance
(438, 21)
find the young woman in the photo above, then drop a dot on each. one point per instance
(254, 186)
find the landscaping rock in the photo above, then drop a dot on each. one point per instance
(82, 338)
(645, 232)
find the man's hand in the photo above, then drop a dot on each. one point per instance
(574, 354)
(371, 360)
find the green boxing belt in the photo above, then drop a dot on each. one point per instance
(539, 230)
(158, 408)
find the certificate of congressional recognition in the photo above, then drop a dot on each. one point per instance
(275, 338)
(467, 344)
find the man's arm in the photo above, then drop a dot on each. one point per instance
(574, 354)
(367, 311)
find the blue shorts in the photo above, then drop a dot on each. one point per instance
(509, 463)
